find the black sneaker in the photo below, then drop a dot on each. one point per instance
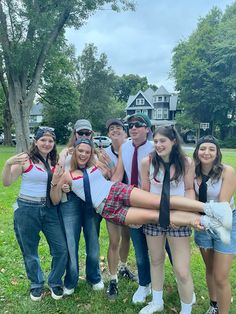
(124, 272)
(112, 291)
(56, 292)
(36, 294)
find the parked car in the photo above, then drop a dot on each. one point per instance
(1, 138)
(101, 141)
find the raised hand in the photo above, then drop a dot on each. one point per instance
(19, 159)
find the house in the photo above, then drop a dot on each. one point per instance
(160, 105)
(36, 115)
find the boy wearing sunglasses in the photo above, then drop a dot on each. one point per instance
(130, 155)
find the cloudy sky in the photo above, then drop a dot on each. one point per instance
(141, 42)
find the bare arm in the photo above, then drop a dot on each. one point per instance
(145, 165)
(189, 179)
(13, 168)
(228, 185)
(58, 180)
(119, 172)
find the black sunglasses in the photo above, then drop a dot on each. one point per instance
(137, 124)
(86, 133)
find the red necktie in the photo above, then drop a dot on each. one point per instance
(134, 169)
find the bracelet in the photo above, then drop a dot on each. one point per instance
(53, 184)
(110, 165)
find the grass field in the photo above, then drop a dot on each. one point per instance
(14, 286)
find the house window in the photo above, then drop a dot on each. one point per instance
(159, 98)
(140, 101)
(160, 114)
(165, 114)
(33, 119)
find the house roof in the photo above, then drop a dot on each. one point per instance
(37, 109)
(162, 91)
(149, 96)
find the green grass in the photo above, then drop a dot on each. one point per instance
(14, 286)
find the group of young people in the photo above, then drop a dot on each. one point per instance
(145, 190)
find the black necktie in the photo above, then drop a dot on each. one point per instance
(164, 218)
(49, 172)
(87, 193)
(203, 189)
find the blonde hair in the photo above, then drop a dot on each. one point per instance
(74, 164)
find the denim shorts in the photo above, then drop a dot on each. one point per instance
(206, 240)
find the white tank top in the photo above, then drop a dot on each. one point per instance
(99, 186)
(110, 153)
(127, 156)
(34, 181)
(176, 187)
(213, 190)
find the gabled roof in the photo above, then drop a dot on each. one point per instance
(147, 95)
(162, 91)
(37, 109)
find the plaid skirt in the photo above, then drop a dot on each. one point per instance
(117, 203)
(156, 230)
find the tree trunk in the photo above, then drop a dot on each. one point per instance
(20, 111)
(7, 124)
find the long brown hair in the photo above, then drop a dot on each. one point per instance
(177, 156)
(217, 167)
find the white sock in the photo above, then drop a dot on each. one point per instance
(114, 277)
(123, 265)
(186, 308)
(157, 296)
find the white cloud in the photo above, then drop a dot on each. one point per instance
(141, 42)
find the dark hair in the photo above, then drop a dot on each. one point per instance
(34, 151)
(177, 156)
(217, 167)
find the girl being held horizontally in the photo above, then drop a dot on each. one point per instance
(125, 204)
(215, 181)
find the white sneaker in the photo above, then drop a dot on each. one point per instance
(141, 293)
(68, 291)
(221, 211)
(216, 229)
(98, 286)
(152, 307)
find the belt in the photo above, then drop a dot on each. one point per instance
(32, 198)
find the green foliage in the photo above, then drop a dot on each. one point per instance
(60, 95)
(228, 142)
(203, 73)
(95, 81)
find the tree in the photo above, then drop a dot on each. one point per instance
(28, 29)
(202, 85)
(95, 81)
(130, 84)
(59, 91)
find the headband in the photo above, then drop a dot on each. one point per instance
(83, 141)
(44, 130)
(208, 139)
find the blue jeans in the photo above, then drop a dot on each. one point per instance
(73, 218)
(29, 219)
(141, 253)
